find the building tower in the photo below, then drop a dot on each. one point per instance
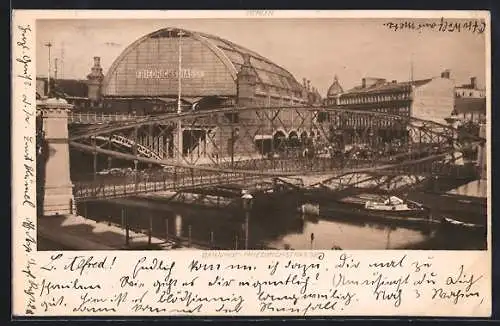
(246, 83)
(94, 81)
(334, 92)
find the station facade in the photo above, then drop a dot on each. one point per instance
(214, 73)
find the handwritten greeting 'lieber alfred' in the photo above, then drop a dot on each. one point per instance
(249, 283)
(296, 283)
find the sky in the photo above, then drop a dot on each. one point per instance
(314, 48)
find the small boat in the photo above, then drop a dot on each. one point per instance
(394, 204)
(451, 223)
(363, 208)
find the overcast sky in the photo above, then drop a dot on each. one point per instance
(313, 48)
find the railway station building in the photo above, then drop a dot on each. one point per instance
(214, 73)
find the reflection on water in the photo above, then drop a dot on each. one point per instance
(178, 225)
(329, 234)
(226, 230)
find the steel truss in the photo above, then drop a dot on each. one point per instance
(281, 141)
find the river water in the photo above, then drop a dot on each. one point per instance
(216, 228)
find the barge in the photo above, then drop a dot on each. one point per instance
(392, 211)
(389, 210)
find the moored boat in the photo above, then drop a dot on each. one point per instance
(452, 223)
(394, 205)
(364, 208)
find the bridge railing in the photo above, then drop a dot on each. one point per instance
(135, 182)
(185, 178)
(95, 117)
(140, 183)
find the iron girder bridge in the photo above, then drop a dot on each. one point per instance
(246, 144)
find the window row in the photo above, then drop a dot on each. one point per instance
(361, 99)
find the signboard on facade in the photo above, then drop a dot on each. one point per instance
(160, 73)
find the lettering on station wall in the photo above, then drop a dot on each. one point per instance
(169, 74)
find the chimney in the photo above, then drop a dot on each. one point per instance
(363, 83)
(304, 82)
(97, 62)
(394, 81)
(308, 85)
(445, 74)
(473, 82)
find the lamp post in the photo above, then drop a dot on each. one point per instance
(48, 45)
(136, 162)
(372, 145)
(234, 135)
(179, 107)
(247, 207)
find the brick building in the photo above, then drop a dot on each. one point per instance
(470, 102)
(428, 99)
(470, 90)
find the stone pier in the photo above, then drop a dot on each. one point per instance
(58, 188)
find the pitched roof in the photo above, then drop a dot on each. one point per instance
(387, 87)
(68, 87)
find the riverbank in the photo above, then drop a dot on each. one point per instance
(79, 233)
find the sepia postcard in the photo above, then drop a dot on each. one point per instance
(251, 163)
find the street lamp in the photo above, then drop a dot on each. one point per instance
(136, 162)
(247, 200)
(179, 107)
(48, 45)
(234, 135)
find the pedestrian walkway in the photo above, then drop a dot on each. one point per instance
(80, 233)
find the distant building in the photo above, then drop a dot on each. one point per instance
(74, 91)
(470, 90)
(470, 102)
(470, 109)
(428, 99)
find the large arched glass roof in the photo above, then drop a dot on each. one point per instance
(231, 55)
(268, 72)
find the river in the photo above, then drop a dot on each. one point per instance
(206, 228)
